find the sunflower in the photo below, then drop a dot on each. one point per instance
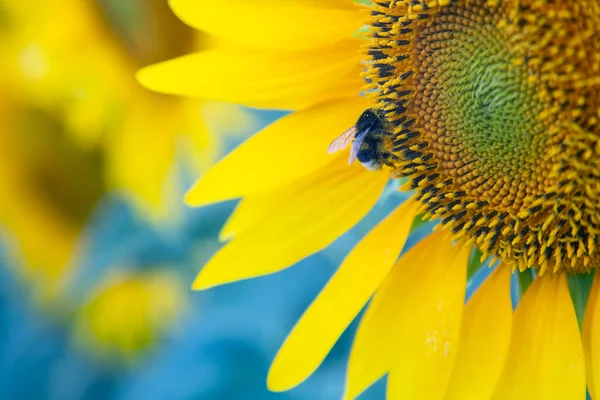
(76, 126)
(82, 73)
(487, 109)
(128, 313)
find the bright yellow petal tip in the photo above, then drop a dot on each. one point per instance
(263, 163)
(411, 328)
(303, 218)
(289, 80)
(341, 300)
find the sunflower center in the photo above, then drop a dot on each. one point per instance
(494, 106)
(477, 109)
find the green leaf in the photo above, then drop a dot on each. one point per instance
(475, 262)
(524, 279)
(418, 222)
(580, 286)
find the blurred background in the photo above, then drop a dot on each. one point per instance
(97, 250)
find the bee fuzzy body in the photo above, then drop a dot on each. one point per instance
(368, 139)
(369, 155)
(372, 154)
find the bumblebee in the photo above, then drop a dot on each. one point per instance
(368, 138)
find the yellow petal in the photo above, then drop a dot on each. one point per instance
(484, 339)
(411, 328)
(273, 24)
(591, 340)
(261, 78)
(341, 300)
(141, 155)
(292, 147)
(545, 359)
(249, 210)
(304, 217)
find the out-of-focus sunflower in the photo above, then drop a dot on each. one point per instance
(127, 314)
(488, 108)
(81, 70)
(48, 187)
(76, 124)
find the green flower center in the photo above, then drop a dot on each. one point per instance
(477, 108)
(494, 107)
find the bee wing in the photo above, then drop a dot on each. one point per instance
(342, 141)
(356, 145)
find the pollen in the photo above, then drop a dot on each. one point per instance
(495, 108)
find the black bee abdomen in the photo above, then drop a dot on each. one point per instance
(368, 152)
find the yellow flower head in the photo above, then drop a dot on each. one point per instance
(81, 72)
(488, 108)
(48, 187)
(128, 314)
(75, 124)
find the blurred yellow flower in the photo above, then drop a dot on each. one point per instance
(76, 124)
(489, 108)
(79, 70)
(48, 187)
(127, 314)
